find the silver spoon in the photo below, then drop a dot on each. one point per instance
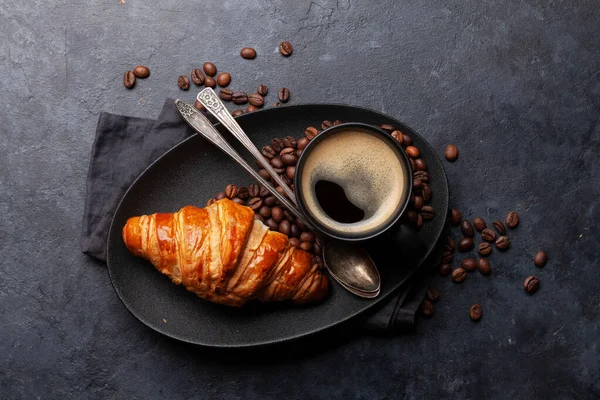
(349, 264)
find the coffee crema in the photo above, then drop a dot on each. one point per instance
(371, 173)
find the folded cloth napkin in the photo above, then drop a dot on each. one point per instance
(125, 146)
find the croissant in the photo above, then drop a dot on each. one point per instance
(223, 255)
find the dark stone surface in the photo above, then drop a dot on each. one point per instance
(516, 85)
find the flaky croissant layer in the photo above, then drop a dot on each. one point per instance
(222, 254)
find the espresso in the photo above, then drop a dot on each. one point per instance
(353, 182)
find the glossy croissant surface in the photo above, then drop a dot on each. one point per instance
(222, 254)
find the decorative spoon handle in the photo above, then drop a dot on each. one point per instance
(213, 104)
(202, 125)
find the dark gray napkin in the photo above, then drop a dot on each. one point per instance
(125, 146)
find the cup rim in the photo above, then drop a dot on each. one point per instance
(302, 159)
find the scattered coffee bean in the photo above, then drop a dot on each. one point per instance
(264, 212)
(226, 94)
(484, 249)
(467, 229)
(502, 243)
(326, 124)
(468, 264)
(220, 195)
(223, 79)
(239, 98)
(483, 265)
(412, 151)
(285, 179)
(303, 142)
(243, 192)
(426, 192)
(420, 164)
(251, 108)
(465, 244)
(256, 100)
(499, 226)
(300, 224)
(540, 259)
(285, 48)
(512, 219)
(248, 53)
(210, 82)
(276, 162)
(277, 214)
(417, 185)
(294, 231)
(277, 144)
(197, 76)
(289, 141)
(451, 244)
(427, 212)
(307, 237)
(231, 191)
(128, 79)
(255, 203)
(418, 203)
(306, 246)
(285, 227)
(253, 190)
(289, 159)
(531, 284)
(397, 135)
(387, 127)
(419, 221)
(270, 201)
(407, 140)
(268, 152)
(455, 217)
(445, 269)
(413, 166)
(239, 201)
(475, 312)
(264, 192)
(141, 71)
(433, 294)
(451, 153)
(209, 69)
(210, 202)
(283, 94)
(237, 112)
(479, 224)
(447, 258)
(259, 218)
(274, 226)
(262, 90)
(337, 122)
(311, 132)
(426, 308)
(264, 174)
(290, 172)
(488, 235)
(294, 242)
(199, 106)
(459, 275)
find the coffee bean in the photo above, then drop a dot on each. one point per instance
(259, 218)
(407, 140)
(289, 159)
(397, 135)
(502, 243)
(427, 212)
(433, 294)
(484, 249)
(447, 258)
(279, 171)
(210, 202)
(419, 222)
(387, 128)
(239, 98)
(243, 192)
(483, 265)
(237, 113)
(451, 244)
(276, 104)
(455, 217)
(411, 216)
(264, 174)
(499, 226)
(479, 224)
(209, 69)
(418, 203)
(223, 79)
(294, 242)
(445, 269)
(289, 141)
(255, 203)
(262, 90)
(307, 237)
(475, 312)
(264, 192)
(248, 53)
(540, 259)
(277, 214)
(239, 201)
(413, 166)
(226, 94)
(210, 82)
(412, 151)
(512, 219)
(311, 132)
(426, 192)
(264, 212)
(199, 106)
(197, 76)
(465, 244)
(420, 164)
(294, 231)
(270, 201)
(285, 179)
(468, 264)
(285, 228)
(301, 224)
(141, 71)
(451, 153)
(253, 190)
(283, 95)
(531, 284)
(488, 235)
(326, 124)
(268, 152)
(306, 246)
(426, 307)
(285, 48)
(128, 79)
(256, 100)
(290, 172)
(459, 275)
(467, 229)
(274, 226)
(276, 162)
(277, 144)
(317, 248)
(231, 191)
(303, 142)
(251, 108)
(336, 122)
(220, 195)
(417, 185)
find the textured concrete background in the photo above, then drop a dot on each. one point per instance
(516, 85)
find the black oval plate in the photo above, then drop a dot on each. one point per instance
(195, 170)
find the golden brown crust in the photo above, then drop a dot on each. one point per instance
(223, 255)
